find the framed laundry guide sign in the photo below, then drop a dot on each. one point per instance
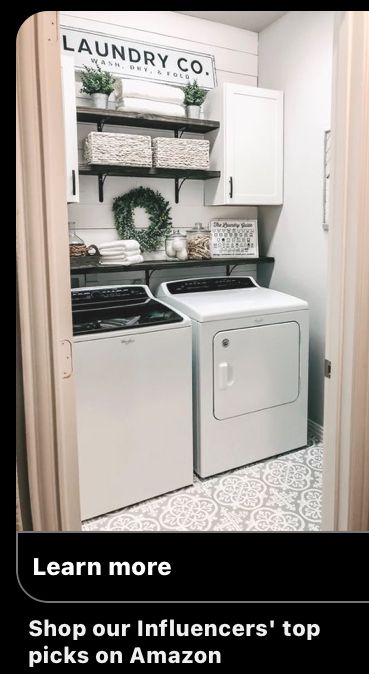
(131, 58)
(234, 238)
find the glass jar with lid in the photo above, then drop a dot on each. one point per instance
(76, 245)
(176, 246)
(198, 242)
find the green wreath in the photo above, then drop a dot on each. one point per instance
(157, 209)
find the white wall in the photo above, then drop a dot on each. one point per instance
(235, 53)
(295, 55)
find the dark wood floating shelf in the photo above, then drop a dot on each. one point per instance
(91, 264)
(121, 118)
(102, 171)
(144, 172)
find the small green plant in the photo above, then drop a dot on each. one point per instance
(96, 81)
(194, 95)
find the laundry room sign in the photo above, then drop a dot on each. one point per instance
(131, 58)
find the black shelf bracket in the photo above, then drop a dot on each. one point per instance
(100, 124)
(177, 188)
(148, 275)
(101, 179)
(229, 268)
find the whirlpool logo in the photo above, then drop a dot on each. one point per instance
(138, 59)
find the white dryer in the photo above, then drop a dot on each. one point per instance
(250, 369)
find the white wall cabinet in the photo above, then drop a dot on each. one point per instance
(70, 127)
(248, 147)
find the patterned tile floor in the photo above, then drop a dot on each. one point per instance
(280, 494)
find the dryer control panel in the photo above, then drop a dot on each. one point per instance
(202, 285)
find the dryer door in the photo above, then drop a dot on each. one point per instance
(255, 368)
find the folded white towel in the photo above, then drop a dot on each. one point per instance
(145, 105)
(125, 244)
(118, 249)
(121, 261)
(165, 93)
(121, 253)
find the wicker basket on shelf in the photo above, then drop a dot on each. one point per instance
(185, 153)
(117, 149)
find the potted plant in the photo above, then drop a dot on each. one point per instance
(98, 84)
(194, 98)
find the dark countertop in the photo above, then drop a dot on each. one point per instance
(91, 263)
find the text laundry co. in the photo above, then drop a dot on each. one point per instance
(135, 58)
(120, 52)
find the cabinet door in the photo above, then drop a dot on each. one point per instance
(70, 127)
(253, 145)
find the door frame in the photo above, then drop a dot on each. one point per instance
(346, 418)
(43, 279)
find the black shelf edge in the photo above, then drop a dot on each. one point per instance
(144, 172)
(121, 118)
(91, 264)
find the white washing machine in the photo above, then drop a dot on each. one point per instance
(133, 375)
(250, 367)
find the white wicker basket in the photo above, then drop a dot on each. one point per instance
(119, 149)
(186, 153)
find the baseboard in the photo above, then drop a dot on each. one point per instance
(315, 430)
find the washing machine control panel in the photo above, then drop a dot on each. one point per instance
(120, 294)
(202, 285)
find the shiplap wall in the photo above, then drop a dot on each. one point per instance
(235, 53)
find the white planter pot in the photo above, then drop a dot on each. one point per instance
(100, 100)
(193, 111)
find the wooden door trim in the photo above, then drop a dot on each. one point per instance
(43, 278)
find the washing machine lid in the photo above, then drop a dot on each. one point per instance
(211, 299)
(106, 309)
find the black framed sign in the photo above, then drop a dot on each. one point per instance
(132, 58)
(234, 238)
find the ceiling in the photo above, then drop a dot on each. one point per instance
(255, 21)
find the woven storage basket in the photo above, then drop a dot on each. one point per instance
(186, 153)
(119, 149)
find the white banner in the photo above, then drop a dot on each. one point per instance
(130, 58)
